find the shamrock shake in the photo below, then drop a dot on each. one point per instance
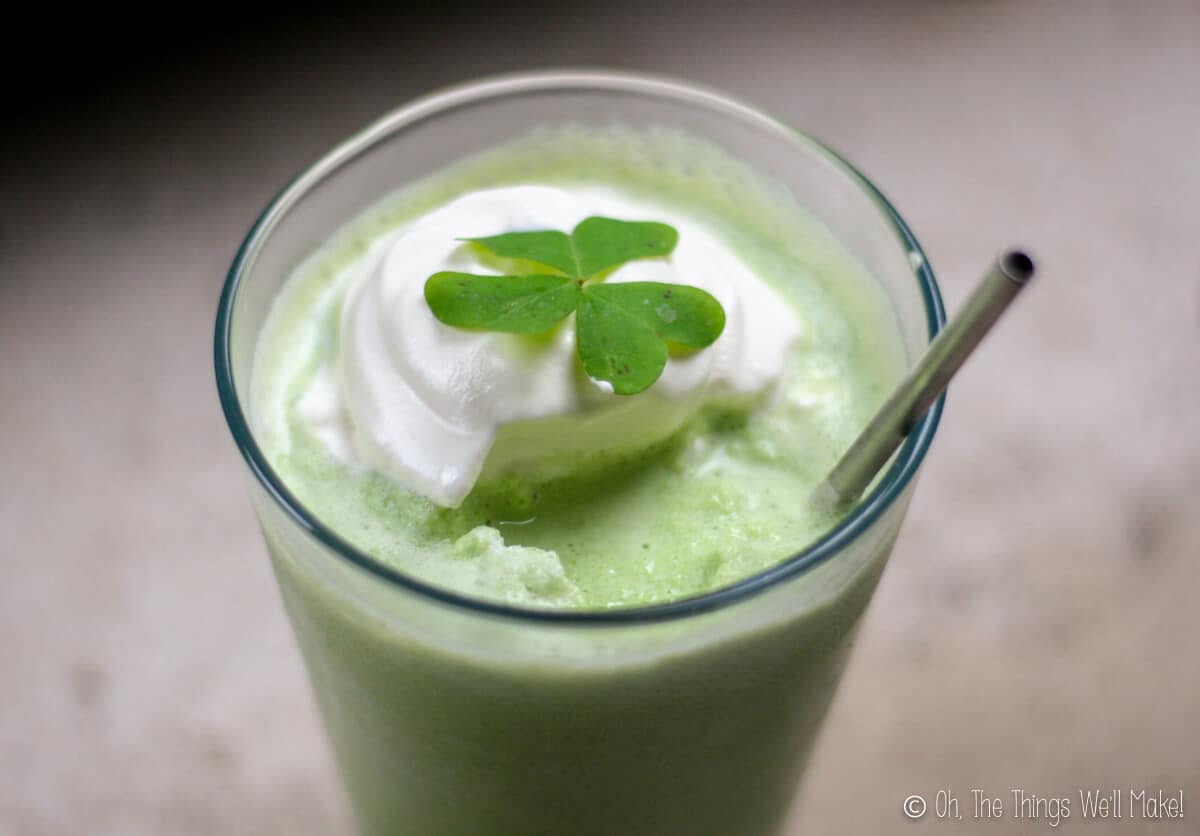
(552, 417)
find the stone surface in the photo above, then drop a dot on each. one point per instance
(1036, 628)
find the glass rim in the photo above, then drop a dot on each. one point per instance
(902, 470)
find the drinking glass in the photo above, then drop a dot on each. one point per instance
(452, 715)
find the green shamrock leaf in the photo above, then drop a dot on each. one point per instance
(595, 245)
(512, 304)
(622, 329)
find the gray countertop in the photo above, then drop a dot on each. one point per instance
(1037, 627)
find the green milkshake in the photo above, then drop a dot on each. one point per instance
(595, 613)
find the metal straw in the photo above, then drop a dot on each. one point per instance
(871, 450)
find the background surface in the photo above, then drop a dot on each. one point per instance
(1037, 627)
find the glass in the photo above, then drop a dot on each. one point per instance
(451, 715)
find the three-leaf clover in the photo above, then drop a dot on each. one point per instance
(622, 329)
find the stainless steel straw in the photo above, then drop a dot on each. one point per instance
(887, 430)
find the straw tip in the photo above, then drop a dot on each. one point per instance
(1017, 265)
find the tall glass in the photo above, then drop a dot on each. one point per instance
(450, 715)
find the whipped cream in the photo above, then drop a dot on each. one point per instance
(438, 408)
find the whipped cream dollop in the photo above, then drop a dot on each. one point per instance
(438, 408)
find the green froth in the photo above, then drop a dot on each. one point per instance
(725, 498)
